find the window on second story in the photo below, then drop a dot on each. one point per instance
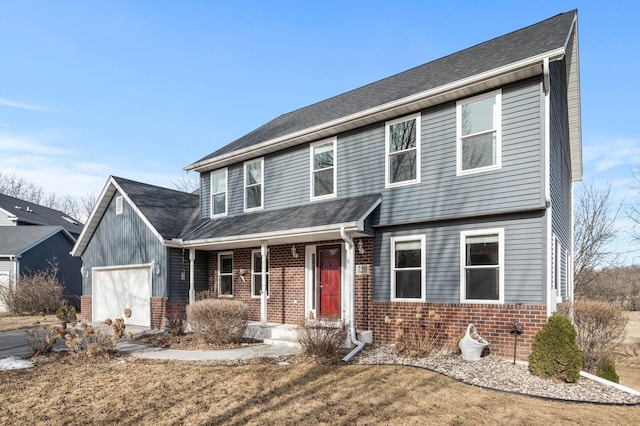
(256, 273)
(402, 143)
(253, 184)
(482, 266)
(219, 193)
(323, 169)
(479, 133)
(408, 272)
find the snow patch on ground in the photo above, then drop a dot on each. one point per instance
(14, 363)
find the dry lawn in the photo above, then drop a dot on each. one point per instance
(12, 322)
(628, 354)
(125, 392)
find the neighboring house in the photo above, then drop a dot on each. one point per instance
(447, 188)
(35, 238)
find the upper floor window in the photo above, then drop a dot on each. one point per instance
(323, 169)
(479, 133)
(219, 193)
(256, 273)
(408, 272)
(482, 260)
(253, 184)
(225, 274)
(402, 145)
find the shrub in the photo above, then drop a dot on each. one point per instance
(322, 340)
(175, 317)
(417, 336)
(600, 327)
(554, 352)
(218, 321)
(66, 314)
(39, 292)
(607, 370)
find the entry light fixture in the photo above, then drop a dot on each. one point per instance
(294, 253)
(360, 247)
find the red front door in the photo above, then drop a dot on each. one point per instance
(329, 271)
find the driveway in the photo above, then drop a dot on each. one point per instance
(14, 343)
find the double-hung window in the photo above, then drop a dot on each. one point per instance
(408, 271)
(219, 193)
(256, 273)
(323, 169)
(402, 146)
(253, 184)
(482, 261)
(479, 133)
(225, 274)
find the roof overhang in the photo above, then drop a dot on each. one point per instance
(497, 77)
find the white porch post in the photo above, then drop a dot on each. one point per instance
(192, 284)
(263, 291)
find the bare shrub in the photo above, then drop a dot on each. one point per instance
(206, 294)
(322, 340)
(176, 312)
(40, 292)
(600, 328)
(219, 320)
(419, 336)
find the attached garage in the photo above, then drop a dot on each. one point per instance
(118, 288)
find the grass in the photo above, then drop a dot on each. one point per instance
(12, 322)
(130, 391)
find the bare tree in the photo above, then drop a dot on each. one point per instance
(594, 229)
(18, 187)
(187, 182)
(88, 203)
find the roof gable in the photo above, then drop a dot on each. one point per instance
(165, 211)
(548, 38)
(16, 240)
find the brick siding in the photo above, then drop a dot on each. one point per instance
(158, 312)
(85, 308)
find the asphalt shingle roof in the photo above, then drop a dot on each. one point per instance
(15, 239)
(40, 215)
(167, 210)
(287, 219)
(528, 42)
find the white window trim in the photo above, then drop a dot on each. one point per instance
(335, 168)
(497, 127)
(463, 240)
(253, 274)
(220, 254)
(423, 267)
(226, 193)
(244, 188)
(387, 126)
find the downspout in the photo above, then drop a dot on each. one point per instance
(352, 299)
(192, 286)
(547, 179)
(263, 290)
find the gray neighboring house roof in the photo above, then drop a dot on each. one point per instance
(549, 38)
(165, 211)
(35, 214)
(15, 240)
(322, 217)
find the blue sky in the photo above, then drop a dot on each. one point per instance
(141, 89)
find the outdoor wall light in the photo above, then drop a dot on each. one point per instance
(360, 247)
(84, 272)
(294, 253)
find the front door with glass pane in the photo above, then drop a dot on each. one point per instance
(328, 273)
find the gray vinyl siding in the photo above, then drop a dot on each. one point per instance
(560, 167)
(178, 262)
(523, 253)
(205, 195)
(125, 239)
(440, 194)
(8, 266)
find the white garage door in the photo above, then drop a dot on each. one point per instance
(4, 281)
(114, 290)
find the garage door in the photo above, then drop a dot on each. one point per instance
(114, 290)
(4, 281)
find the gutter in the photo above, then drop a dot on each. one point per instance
(352, 314)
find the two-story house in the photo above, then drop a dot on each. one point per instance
(447, 187)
